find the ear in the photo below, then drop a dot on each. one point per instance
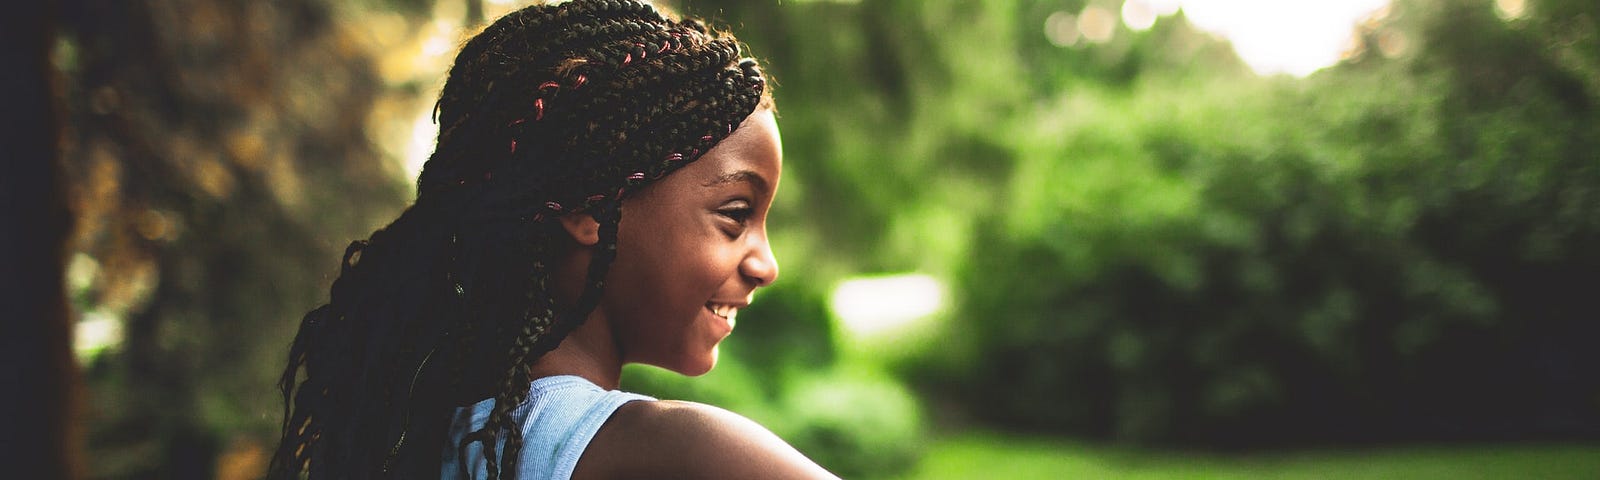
(582, 228)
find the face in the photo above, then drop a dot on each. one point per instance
(692, 249)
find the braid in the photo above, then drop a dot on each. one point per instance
(550, 110)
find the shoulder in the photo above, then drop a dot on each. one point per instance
(671, 439)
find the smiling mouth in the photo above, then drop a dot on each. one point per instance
(727, 312)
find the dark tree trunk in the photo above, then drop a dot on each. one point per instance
(38, 438)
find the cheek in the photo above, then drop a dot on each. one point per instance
(665, 271)
(689, 280)
(684, 263)
(660, 277)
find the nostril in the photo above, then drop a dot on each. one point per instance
(770, 276)
(759, 266)
(762, 273)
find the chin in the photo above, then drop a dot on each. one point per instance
(698, 366)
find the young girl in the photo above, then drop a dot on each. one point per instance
(598, 196)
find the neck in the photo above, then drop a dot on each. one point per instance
(589, 352)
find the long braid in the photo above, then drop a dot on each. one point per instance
(551, 110)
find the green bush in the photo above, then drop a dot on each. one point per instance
(1397, 248)
(857, 425)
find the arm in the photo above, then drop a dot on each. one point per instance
(668, 439)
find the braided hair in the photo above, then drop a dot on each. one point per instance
(550, 110)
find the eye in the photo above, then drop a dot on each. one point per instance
(738, 213)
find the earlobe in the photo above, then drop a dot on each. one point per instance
(582, 228)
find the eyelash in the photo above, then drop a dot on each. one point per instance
(739, 215)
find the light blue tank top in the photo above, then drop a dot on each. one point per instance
(557, 422)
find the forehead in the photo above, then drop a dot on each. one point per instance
(753, 155)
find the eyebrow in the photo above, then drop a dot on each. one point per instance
(741, 176)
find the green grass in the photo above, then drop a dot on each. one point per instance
(994, 456)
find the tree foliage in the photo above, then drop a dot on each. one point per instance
(219, 162)
(1392, 249)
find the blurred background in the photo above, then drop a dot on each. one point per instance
(1019, 238)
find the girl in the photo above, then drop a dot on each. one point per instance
(598, 196)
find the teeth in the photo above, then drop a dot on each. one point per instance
(724, 311)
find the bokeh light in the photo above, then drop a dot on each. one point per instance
(875, 306)
(1295, 38)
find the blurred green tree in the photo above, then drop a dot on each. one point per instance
(219, 163)
(1394, 248)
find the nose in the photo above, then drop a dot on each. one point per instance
(760, 267)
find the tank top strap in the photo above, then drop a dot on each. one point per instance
(557, 422)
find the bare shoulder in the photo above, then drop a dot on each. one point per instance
(670, 439)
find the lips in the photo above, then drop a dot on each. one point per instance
(726, 311)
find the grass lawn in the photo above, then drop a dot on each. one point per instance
(995, 456)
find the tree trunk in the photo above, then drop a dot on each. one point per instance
(39, 437)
